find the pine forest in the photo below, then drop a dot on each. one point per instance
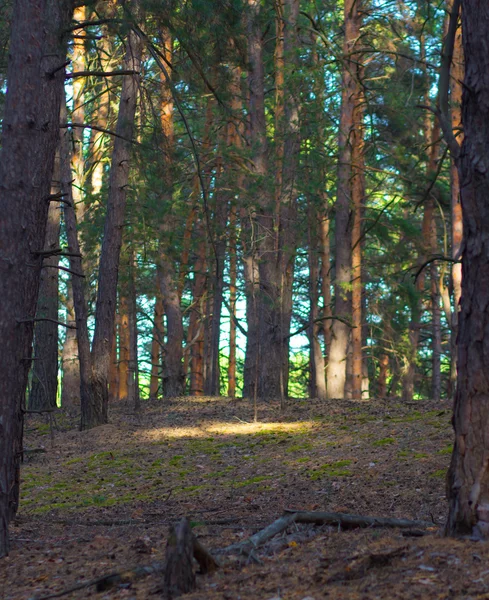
(243, 298)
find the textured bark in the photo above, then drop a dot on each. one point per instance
(70, 390)
(358, 202)
(112, 238)
(29, 139)
(173, 373)
(324, 236)
(340, 329)
(44, 385)
(468, 476)
(457, 74)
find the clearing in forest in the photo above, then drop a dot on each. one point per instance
(101, 501)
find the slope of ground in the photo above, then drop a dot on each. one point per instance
(101, 501)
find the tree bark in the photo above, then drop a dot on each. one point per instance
(468, 476)
(340, 329)
(29, 140)
(457, 74)
(45, 365)
(70, 390)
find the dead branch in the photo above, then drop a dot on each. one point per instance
(347, 521)
(99, 73)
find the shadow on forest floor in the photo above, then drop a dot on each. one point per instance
(100, 501)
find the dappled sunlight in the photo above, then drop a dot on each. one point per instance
(225, 428)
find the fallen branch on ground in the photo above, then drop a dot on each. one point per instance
(347, 521)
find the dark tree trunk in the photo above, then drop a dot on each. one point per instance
(134, 396)
(45, 365)
(29, 139)
(124, 346)
(468, 476)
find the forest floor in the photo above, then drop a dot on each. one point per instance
(101, 501)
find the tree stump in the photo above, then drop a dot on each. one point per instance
(179, 573)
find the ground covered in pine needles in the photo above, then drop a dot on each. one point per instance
(102, 501)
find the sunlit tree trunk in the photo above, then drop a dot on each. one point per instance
(28, 145)
(358, 202)
(340, 330)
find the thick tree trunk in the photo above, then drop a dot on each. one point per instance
(468, 476)
(340, 330)
(114, 368)
(30, 135)
(383, 372)
(112, 239)
(45, 365)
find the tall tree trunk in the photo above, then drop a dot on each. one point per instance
(468, 476)
(29, 139)
(383, 372)
(232, 304)
(340, 330)
(358, 203)
(457, 74)
(112, 239)
(45, 365)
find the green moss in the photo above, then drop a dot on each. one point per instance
(447, 450)
(384, 442)
(335, 469)
(175, 460)
(299, 447)
(251, 481)
(439, 474)
(73, 461)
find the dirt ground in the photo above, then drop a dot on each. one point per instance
(102, 501)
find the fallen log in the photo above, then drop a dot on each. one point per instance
(347, 521)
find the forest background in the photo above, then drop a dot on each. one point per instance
(290, 202)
